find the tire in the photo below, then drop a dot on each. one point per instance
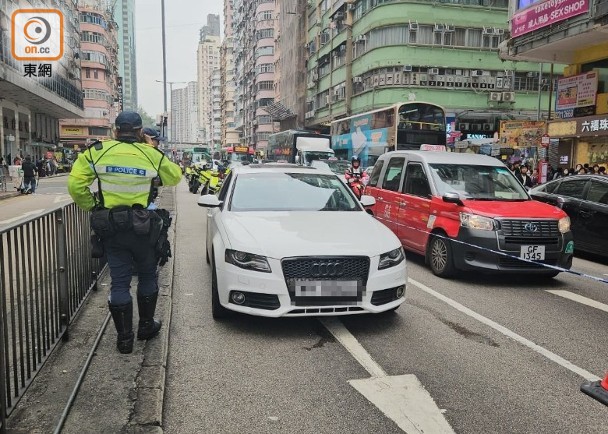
(205, 189)
(440, 256)
(217, 310)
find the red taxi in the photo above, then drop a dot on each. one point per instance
(468, 212)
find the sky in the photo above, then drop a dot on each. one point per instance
(183, 20)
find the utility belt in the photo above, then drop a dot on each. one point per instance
(110, 222)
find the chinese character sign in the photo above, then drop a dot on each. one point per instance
(543, 14)
(577, 91)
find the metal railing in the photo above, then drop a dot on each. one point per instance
(46, 272)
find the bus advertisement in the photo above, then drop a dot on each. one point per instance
(402, 126)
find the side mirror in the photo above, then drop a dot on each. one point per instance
(560, 202)
(209, 201)
(452, 198)
(367, 201)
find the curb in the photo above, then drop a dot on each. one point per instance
(6, 195)
(147, 414)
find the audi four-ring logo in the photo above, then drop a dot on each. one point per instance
(531, 227)
(327, 269)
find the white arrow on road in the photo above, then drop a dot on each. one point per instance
(22, 216)
(402, 398)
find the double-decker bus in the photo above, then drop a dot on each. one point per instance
(238, 154)
(402, 126)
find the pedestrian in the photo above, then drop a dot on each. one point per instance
(602, 170)
(524, 178)
(29, 175)
(596, 169)
(125, 170)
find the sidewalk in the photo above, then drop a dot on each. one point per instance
(121, 393)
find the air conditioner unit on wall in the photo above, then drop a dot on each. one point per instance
(357, 79)
(407, 68)
(488, 127)
(433, 71)
(494, 96)
(413, 25)
(476, 73)
(463, 126)
(508, 96)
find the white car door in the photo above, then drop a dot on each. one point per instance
(213, 214)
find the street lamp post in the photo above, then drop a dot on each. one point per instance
(171, 83)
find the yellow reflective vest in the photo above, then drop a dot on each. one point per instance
(125, 172)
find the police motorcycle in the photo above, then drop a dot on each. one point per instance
(214, 179)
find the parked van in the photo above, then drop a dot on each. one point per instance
(468, 212)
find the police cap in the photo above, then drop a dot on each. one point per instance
(128, 121)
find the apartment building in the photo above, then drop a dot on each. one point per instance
(32, 104)
(124, 15)
(215, 114)
(183, 118)
(229, 135)
(99, 75)
(367, 54)
(208, 60)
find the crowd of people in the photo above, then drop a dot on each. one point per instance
(530, 178)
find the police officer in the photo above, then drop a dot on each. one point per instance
(152, 137)
(125, 170)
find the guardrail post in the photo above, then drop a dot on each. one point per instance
(62, 260)
(3, 391)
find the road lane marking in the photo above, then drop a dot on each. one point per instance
(353, 346)
(401, 398)
(505, 331)
(579, 299)
(22, 216)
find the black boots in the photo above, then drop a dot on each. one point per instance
(148, 326)
(123, 320)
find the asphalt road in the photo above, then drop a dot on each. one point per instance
(51, 193)
(497, 354)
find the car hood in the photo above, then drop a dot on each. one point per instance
(509, 209)
(302, 233)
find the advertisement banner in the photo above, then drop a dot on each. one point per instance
(74, 131)
(577, 91)
(545, 13)
(521, 134)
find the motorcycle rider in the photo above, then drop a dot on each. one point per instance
(356, 177)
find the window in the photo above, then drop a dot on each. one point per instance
(416, 182)
(598, 192)
(373, 180)
(265, 85)
(95, 73)
(392, 177)
(87, 72)
(266, 15)
(572, 188)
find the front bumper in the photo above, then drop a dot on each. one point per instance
(492, 251)
(269, 295)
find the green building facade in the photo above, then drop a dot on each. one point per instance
(368, 54)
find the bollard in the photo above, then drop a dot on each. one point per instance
(94, 277)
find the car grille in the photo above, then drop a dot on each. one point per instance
(547, 241)
(384, 296)
(521, 228)
(353, 268)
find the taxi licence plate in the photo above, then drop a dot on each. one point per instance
(326, 288)
(532, 253)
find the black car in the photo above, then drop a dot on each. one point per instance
(585, 199)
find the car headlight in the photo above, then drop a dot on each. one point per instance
(392, 258)
(248, 261)
(474, 221)
(564, 224)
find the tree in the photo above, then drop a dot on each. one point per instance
(147, 120)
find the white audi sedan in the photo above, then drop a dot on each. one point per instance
(287, 240)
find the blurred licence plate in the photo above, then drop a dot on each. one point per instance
(326, 288)
(532, 253)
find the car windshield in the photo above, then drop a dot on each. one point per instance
(291, 192)
(477, 182)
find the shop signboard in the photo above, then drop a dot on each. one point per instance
(74, 131)
(521, 134)
(542, 14)
(574, 93)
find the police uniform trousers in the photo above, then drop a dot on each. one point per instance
(123, 251)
